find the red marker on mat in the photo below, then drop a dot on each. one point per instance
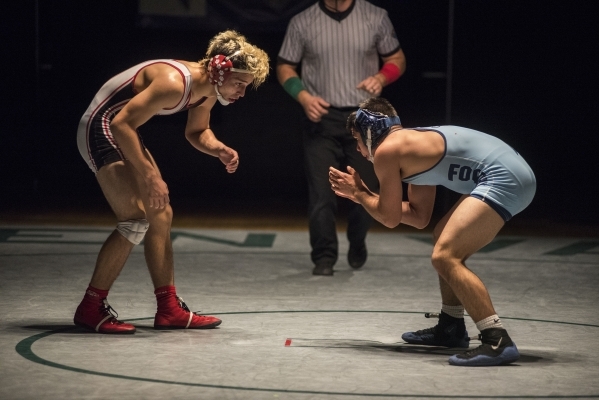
(288, 342)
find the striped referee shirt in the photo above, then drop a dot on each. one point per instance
(338, 51)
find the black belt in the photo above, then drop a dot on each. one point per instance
(344, 109)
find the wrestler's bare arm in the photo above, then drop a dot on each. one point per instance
(200, 136)
(164, 91)
(160, 93)
(198, 132)
(389, 161)
(417, 211)
(385, 207)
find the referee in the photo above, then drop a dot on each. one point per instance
(340, 45)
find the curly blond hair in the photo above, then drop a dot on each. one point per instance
(250, 57)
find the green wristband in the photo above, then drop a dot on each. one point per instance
(293, 86)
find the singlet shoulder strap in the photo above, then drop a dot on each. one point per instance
(185, 75)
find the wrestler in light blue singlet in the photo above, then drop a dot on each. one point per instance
(483, 166)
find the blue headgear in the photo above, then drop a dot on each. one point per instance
(373, 127)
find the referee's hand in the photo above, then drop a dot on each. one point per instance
(314, 107)
(372, 86)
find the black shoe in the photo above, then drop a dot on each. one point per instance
(497, 349)
(450, 332)
(323, 269)
(356, 256)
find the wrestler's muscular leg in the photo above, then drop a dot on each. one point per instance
(125, 192)
(448, 297)
(120, 189)
(469, 225)
(171, 312)
(158, 248)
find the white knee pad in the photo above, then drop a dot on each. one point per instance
(133, 230)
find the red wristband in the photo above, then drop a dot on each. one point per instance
(391, 72)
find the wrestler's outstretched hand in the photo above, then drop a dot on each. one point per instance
(346, 184)
(230, 158)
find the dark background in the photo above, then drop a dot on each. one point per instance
(524, 71)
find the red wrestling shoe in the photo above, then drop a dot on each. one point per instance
(180, 317)
(101, 318)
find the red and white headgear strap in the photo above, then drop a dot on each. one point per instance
(221, 67)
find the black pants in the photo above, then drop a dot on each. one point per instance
(329, 144)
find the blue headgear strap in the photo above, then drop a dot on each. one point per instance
(373, 127)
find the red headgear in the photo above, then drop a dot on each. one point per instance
(220, 68)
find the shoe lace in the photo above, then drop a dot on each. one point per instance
(107, 308)
(474, 352)
(437, 330)
(184, 306)
(427, 331)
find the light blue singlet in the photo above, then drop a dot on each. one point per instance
(483, 166)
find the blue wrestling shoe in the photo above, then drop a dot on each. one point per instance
(449, 332)
(497, 348)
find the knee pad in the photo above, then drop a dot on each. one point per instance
(133, 230)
